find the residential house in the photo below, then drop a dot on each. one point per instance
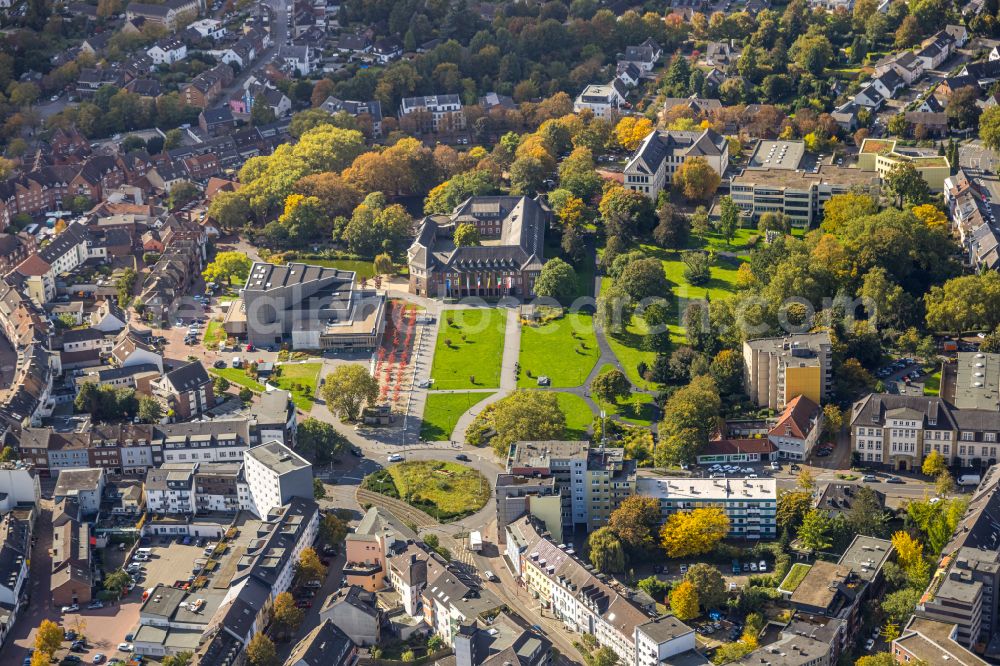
(72, 571)
(167, 51)
(85, 486)
(186, 391)
(205, 88)
(603, 100)
(387, 49)
(935, 50)
(168, 14)
(928, 124)
(797, 429)
(433, 113)
(365, 112)
(645, 56)
(326, 645)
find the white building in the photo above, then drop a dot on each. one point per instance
(84, 485)
(602, 99)
(15, 550)
(444, 111)
(661, 153)
(798, 429)
(63, 254)
(170, 489)
(750, 504)
(167, 51)
(209, 28)
(274, 475)
(18, 486)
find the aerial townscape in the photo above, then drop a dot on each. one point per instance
(499, 332)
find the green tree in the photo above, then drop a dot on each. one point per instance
(557, 280)
(727, 371)
(117, 581)
(332, 529)
(610, 386)
(793, 505)
(673, 229)
(690, 417)
(183, 193)
(319, 490)
(654, 587)
(149, 410)
(812, 53)
(605, 551)
(220, 385)
(644, 278)
(905, 184)
(989, 127)
(347, 388)
(710, 584)
(466, 234)
(228, 266)
(521, 416)
(179, 659)
(729, 218)
(383, 264)
(867, 515)
(8, 454)
(815, 531)
(697, 267)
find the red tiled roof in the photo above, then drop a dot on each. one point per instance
(797, 416)
(721, 447)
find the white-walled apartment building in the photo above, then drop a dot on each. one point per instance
(586, 604)
(750, 504)
(662, 152)
(274, 475)
(899, 431)
(444, 112)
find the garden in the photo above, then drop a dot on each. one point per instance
(444, 490)
(469, 349)
(442, 411)
(300, 380)
(564, 350)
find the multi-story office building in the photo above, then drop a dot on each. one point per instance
(782, 178)
(592, 481)
(881, 155)
(750, 504)
(899, 431)
(777, 370)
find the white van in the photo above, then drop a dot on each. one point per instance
(144, 551)
(237, 363)
(968, 480)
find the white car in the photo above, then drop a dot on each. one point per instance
(869, 644)
(72, 608)
(395, 457)
(124, 647)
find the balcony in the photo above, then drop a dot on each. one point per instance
(362, 568)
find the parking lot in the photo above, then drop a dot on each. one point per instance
(904, 376)
(103, 629)
(169, 562)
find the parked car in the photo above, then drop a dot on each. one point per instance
(72, 608)
(762, 566)
(95, 604)
(869, 478)
(98, 658)
(219, 364)
(463, 457)
(124, 647)
(684, 569)
(395, 457)
(894, 479)
(869, 644)
(314, 584)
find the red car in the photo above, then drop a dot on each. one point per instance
(304, 603)
(249, 348)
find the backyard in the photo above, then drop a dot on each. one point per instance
(564, 350)
(442, 411)
(469, 349)
(445, 490)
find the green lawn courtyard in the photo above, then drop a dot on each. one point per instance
(564, 350)
(237, 377)
(442, 411)
(214, 334)
(627, 346)
(579, 417)
(469, 349)
(300, 380)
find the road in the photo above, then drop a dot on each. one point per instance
(279, 33)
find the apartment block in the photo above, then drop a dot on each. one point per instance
(592, 481)
(586, 602)
(777, 370)
(932, 642)
(750, 504)
(518, 496)
(881, 155)
(662, 152)
(965, 588)
(274, 475)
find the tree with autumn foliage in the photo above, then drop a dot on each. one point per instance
(910, 556)
(696, 532)
(635, 521)
(631, 130)
(696, 179)
(684, 601)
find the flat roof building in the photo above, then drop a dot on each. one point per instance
(778, 369)
(312, 306)
(978, 383)
(750, 504)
